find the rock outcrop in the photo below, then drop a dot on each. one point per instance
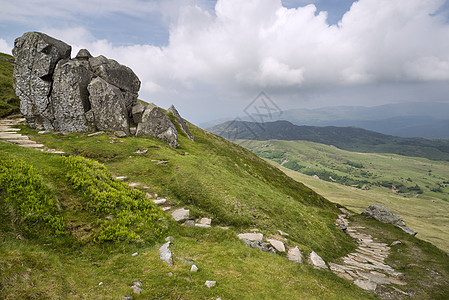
(384, 215)
(83, 94)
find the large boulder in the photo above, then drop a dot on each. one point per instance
(384, 215)
(107, 106)
(36, 55)
(180, 121)
(155, 123)
(70, 98)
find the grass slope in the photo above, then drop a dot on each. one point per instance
(217, 179)
(9, 103)
(425, 210)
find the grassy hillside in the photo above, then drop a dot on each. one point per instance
(9, 103)
(415, 188)
(347, 138)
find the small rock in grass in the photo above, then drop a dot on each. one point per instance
(194, 268)
(141, 151)
(96, 133)
(396, 243)
(210, 283)
(294, 254)
(128, 298)
(135, 254)
(165, 253)
(136, 289)
(282, 233)
(120, 134)
(120, 177)
(189, 223)
(316, 261)
(180, 214)
(44, 132)
(162, 162)
(251, 236)
(205, 221)
(170, 274)
(169, 238)
(159, 201)
(278, 245)
(137, 283)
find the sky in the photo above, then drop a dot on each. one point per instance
(211, 58)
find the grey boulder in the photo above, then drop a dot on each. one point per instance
(70, 98)
(156, 124)
(107, 106)
(384, 215)
(35, 57)
(181, 122)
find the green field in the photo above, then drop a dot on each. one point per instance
(415, 188)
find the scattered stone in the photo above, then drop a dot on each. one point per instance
(194, 268)
(165, 208)
(282, 233)
(43, 132)
(135, 254)
(202, 225)
(159, 201)
(365, 284)
(136, 289)
(316, 261)
(101, 283)
(96, 133)
(205, 221)
(162, 162)
(396, 243)
(120, 134)
(128, 298)
(170, 274)
(141, 151)
(120, 177)
(189, 223)
(137, 283)
(251, 236)
(187, 261)
(210, 283)
(165, 253)
(169, 238)
(294, 254)
(180, 214)
(278, 245)
(266, 247)
(133, 184)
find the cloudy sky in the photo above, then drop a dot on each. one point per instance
(211, 58)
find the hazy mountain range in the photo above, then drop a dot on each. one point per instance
(417, 119)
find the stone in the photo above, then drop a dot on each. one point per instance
(266, 247)
(384, 215)
(365, 284)
(43, 132)
(194, 268)
(282, 233)
(128, 298)
(181, 122)
(278, 245)
(83, 54)
(205, 221)
(159, 201)
(97, 133)
(396, 243)
(294, 254)
(162, 162)
(251, 236)
(35, 58)
(180, 214)
(155, 123)
(136, 289)
(70, 97)
(120, 134)
(114, 73)
(135, 254)
(189, 223)
(316, 261)
(137, 283)
(165, 253)
(101, 283)
(107, 106)
(137, 112)
(210, 283)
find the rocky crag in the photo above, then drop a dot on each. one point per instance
(83, 94)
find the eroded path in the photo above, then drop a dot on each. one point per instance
(366, 266)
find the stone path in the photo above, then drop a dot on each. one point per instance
(10, 135)
(366, 267)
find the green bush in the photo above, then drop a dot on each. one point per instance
(123, 214)
(27, 195)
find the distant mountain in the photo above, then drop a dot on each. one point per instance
(347, 138)
(417, 119)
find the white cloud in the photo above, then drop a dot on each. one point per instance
(4, 47)
(246, 46)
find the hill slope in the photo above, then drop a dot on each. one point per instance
(9, 103)
(347, 138)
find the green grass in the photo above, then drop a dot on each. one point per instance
(427, 213)
(9, 103)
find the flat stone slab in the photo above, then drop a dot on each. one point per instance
(180, 214)
(12, 136)
(278, 245)
(8, 129)
(316, 261)
(32, 145)
(205, 221)
(251, 236)
(159, 201)
(365, 284)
